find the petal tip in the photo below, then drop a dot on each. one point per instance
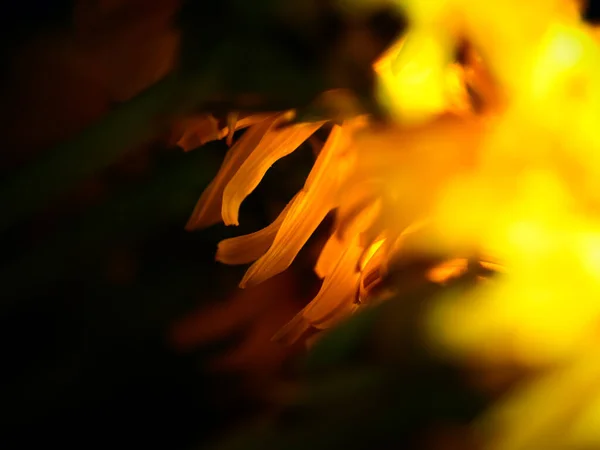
(192, 225)
(246, 282)
(231, 223)
(229, 214)
(200, 222)
(293, 331)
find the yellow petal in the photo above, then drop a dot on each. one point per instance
(208, 209)
(306, 213)
(276, 143)
(248, 248)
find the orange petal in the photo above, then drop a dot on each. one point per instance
(447, 270)
(248, 248)
(208, 209)
(276, 143)
(333, 147)
(292, 331)
(437, 149)
(232, 119)
(299, 224)
(350, 211)
(235, 123)
(335, 300)
(252, 119)
(329, 256)
(306, 213)
(372, 254)
(199, 130)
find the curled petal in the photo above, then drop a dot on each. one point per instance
(306, 213)
(194, 132)
(197, 131)
(336, 298)
(354, 218)
(208, 209)
(334, 147)
(248, 248)
(299, 224)
(235, 122)
(334, 301)
(276, 143)
(232, 119)
(242, 122)
(363, 220)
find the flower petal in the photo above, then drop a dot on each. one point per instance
(236, 122)
(336, 297)
(329, 256)
(208, 209)
(197, 131)
(242, 121)
(299, 224)
(306, 213)
(292, 331)
(276, 143)
(232, 119)
(349, 211)
(248, 248)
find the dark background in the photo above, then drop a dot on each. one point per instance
(105, 336)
